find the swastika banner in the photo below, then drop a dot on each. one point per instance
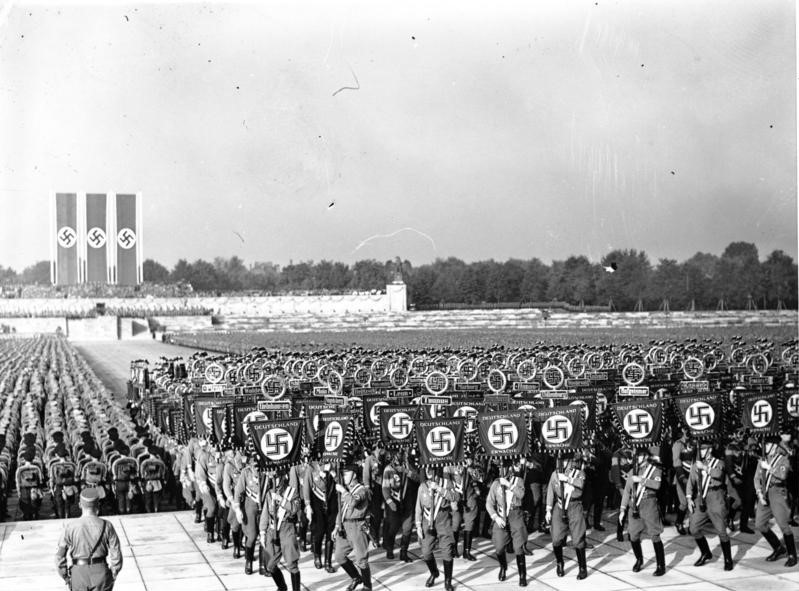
(203, 414)
(503, 434)
(702, 414)
(587, 403)
(640, 422)
(219, 418)
(66, 240)
(396, 425)
(468, 409)
(790, 405)
(128, 240)
(371, 408)
(333, 440)
(96, 238)
(440, 441)
(279, 443)
(560, 428)
(760, 412)
(312, 411)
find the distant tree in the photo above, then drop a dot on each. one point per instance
(7, 275)
(780, 279)
(204, 276)
(155, 272)
(667, 283)
(420, 286)
(572, 280)
(700, 273)
(535, 281)
(297, 276)
(627, 285)
(38, 273)
(231, 273)
(264, 277)
(368, 274)
(447, 285)
(181, 272)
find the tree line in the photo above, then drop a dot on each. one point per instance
(737, 279)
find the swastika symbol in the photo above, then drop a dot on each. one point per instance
(699, 416)
(761, 413)
(96, 237)
(638, 423)
(208, 420)
(470, 413)
(399, 425)
(374, 410)
(277, 443)
(256, 415)
(334, 435)
(440, 441)
(324, 411)
(66, 237)
(126, 238)
(503, 434)
(557, 429)
(792, 405)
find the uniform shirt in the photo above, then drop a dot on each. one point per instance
(394, 483)
(463, 482)
(230, 478)
(575, 476)
(779, 468)
(353, 504)
(498, 497)
(371, 472)
(426, 499)
(682, 459)
(205, 471)
(124, 468)
(274, 499)
(93, 473)
(29, 475)
(651, 476)
(79, 537)
(317, 482)
(248, 484)
(153, 468)
(621, 464)
(713, 468)
(62, 472)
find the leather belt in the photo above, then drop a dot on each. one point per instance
(88, 561)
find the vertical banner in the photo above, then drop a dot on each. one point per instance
(66, 239)
(127, 239)
(96, 238)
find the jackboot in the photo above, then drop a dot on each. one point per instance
(198, 512)
(456, 535)
(558, 550)
(262, 562)
(790, 545)
(774, 542)
(404, 543)
(503, 567)
(317, 561)
(726, 550)
(660, 559)
(639, 556)
(619, 532)
(467, 546)
(236, 544)
(209, 529)
(679, 523)
(280, 581)
(704, 551)
(521, 564)
(366, 577)
(295, 582)
(329, 557)
(431, 566)
(225, 535)
(352, 571)
(448, 575)
(583, 572)
(249, 555)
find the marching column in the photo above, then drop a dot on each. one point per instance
(230, 477)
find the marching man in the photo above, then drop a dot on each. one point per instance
(771, 481)
(504, 506)
(400, 483)
(277, 523)
(353, 537)
(640, 496)
(564, 511)
(434, 502)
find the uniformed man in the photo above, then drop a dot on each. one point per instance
(504, 505)
(640, 497)
(706, 497)
(351, 528)
(63, 482)
(373, 467)
(30, 482)
(205, 479)
(621, 466)
(535, 495)
(400, 483)
(277, 527)
(93, 546)
(565, 511)
(683, 453)
(230, 477)
(124, 472)
(298, 474)
(771, 480)
(153, 474)
(248, 495)
(465, 512)
(433, 516)
(319, 493)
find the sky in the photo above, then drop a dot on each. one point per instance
(343, 130)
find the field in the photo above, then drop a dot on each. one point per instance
(239, 342)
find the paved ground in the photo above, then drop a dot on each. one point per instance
(168, 552)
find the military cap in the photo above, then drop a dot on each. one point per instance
(57, 436)
(29, 438)
(89, 497)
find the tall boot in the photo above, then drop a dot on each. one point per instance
(639, 556)
(329, 556)
(774, 542)
(249, 556)
(198, 511)
(404, 542)
(280, 581)
(467, 546)
(237, 544)
(456, 535)
(503, 566)
(558, 550)
(448, 575)
(704, 551)
(727, 552)
(262, 562)
(209, 530)
(366, 576)
(352, 571)
(790, 545)
(619, 531)
(679, 524)
(295, 582)
(431, 566)
(225, 535)
(583, 572)
(521, 564)
(660, 559)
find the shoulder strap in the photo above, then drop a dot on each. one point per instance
(99, 541)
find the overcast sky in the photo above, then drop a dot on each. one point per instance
(490, 129)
